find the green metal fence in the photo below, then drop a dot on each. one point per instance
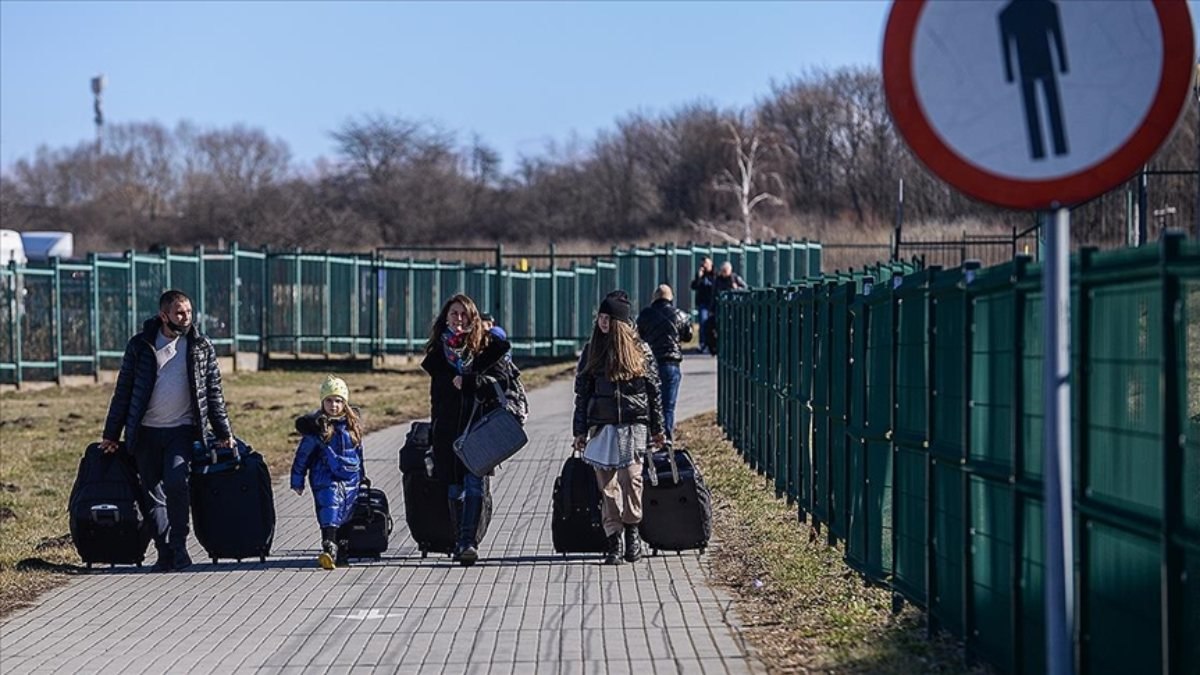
(74, 318)
(904, 407)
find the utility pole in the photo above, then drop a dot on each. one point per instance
(98, 83)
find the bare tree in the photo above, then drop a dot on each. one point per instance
(746, 184)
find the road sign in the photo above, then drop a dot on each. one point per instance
(1033, 103)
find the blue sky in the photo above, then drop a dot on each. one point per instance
(518, 74)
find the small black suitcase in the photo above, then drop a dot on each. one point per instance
(676, 504)
(366, 533)
(576, 525)
(427, 512)
(233, 508)
(106, 517)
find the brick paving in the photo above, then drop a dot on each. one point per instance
(521, 609)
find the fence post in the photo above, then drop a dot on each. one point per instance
(553, 299)
(132, 317)
(234, 300)
(1173, 570)
(58, 331)
(203, 308)
(95, 315)
(264, 315)
(16, 307)
(326, 319)
(501, 318)
(297, 302)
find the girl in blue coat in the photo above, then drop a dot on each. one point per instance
(330, 452)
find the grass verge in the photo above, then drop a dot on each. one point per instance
(43, 434)
(801, 607)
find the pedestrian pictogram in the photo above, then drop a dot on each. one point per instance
(1036, 103)
(1028, 28)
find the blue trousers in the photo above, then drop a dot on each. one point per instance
(669, 378)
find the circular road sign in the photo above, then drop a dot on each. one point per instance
(1036, 104)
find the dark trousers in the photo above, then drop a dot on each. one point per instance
(669, 377)
(163, 457)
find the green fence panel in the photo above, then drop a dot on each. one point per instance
(990, 570)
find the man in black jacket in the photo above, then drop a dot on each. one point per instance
(703, 286)
(168, 394)
(663, 326)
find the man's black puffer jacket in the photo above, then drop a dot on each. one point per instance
(601, 401)
(663, 326)
(139, 372)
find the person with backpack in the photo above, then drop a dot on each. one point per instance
(466, 364)
(168, 397)
(664, 326)
(618, 413)
(330, 453)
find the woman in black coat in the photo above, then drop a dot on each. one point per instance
(464, 362)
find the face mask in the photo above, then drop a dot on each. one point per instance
(176, 328)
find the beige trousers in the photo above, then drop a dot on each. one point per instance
(620, 496)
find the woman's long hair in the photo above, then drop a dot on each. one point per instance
(353, 425)
(617, 354)
(476, 335)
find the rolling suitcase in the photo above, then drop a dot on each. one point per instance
(366, 532)
(106, 518)
(233, 508)
(576, 525)
(427, 512)
(676, 504)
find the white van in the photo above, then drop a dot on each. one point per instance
(12, 248)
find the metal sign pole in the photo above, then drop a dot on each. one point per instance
(1056, 306)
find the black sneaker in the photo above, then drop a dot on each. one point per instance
(181, 561)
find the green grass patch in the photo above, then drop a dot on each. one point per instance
(44, 433)
(800, 605)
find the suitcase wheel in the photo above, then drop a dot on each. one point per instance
(262, 559)
(655, 552)
(139, 565)
(214, 561)
(424, 554)
(89, 566)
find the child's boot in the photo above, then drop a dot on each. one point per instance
(329, 548)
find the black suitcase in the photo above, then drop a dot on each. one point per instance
(676, 504)
(576, 525)
(233, 508)
(108, 523)
(417, 452)
(427, 512)
(365, 534)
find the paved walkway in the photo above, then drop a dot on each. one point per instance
(521, 609)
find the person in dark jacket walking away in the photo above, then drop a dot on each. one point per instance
(168, 397)
(331, 454)
(465, 362)
(703, 286)
(618, 409)
(663, 326)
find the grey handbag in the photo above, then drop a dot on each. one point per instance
(491, 439)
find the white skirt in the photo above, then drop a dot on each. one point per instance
(615, 446)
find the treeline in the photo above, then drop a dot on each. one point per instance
(816, 155)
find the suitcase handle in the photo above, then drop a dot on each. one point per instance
(670, 448)
(106, 514)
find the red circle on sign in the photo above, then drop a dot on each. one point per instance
(913, 124)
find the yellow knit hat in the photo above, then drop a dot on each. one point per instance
(335, 386)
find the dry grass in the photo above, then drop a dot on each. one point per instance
(801, 606)
(43, 434)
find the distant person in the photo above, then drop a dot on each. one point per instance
(330, 453)
(664, 326)
(703, 284)
(168, 396)
(728, 280)
(489, 324)
(618, 411)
